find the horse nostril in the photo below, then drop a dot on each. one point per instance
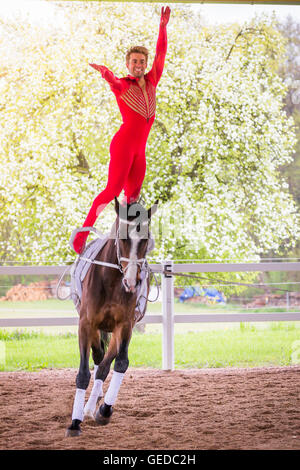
(128, 287)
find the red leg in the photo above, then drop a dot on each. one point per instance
(135, 179)
(119, 168)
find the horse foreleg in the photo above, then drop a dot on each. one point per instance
(101, 372)
(105, 411)
(82, 379)
(98, 351)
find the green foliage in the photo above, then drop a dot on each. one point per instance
(18, 335)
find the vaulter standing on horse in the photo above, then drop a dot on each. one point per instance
(135, 96)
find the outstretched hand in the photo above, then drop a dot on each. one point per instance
(165, 16)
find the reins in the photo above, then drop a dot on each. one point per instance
(118, 266)
(103, 263)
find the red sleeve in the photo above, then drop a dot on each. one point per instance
(116, 84)
(159, 60)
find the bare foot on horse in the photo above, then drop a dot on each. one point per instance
(79, 242)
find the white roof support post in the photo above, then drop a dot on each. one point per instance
(168, 317)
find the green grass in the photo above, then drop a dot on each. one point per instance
(243, 347)
(196, 345)
(246, 347)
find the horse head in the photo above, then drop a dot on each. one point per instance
(132, 238)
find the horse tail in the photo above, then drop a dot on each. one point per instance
(104, 338)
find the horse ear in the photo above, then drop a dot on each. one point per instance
(152, 209)
(117, 206)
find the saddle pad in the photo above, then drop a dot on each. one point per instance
(81, 267)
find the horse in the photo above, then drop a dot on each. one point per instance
(107, 312)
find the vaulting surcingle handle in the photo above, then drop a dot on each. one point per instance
(83, 229)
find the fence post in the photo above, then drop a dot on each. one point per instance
(168, 317)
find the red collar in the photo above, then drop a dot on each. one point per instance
(135, 78)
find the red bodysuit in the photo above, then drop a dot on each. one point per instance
(127, 165)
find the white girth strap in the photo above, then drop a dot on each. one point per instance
(101, 263)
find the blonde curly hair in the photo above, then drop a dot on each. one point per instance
(138, 50)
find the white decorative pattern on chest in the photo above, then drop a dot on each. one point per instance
(135, 99)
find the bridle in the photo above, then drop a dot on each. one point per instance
(141, 263)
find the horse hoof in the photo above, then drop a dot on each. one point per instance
(103, 415)
(74, 430)
(101, 419)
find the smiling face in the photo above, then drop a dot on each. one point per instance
(137, 64)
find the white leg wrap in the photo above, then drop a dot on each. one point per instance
(95, 371)
(96, 392)
(114, 387)
(78, 404)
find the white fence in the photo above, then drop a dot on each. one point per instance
(167, 318)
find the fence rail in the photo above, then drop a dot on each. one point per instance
(177, 268)
(167, 318)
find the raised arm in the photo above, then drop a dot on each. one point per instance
(114, 82)
(161, 48)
